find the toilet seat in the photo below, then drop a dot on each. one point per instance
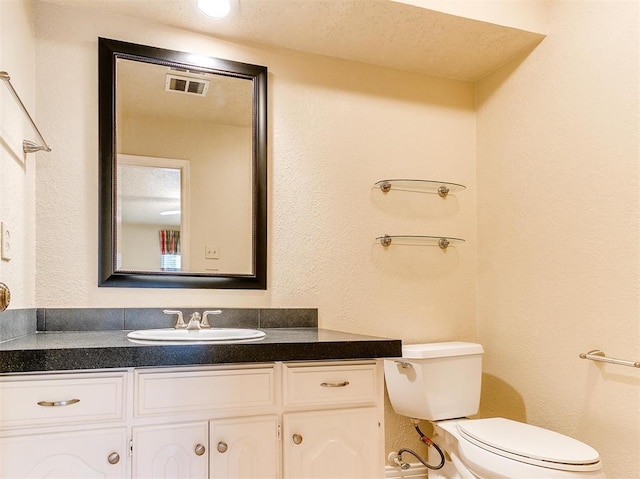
(529, 444)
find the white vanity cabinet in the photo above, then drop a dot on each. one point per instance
(89, 454)
(332, 425)
(242, 421)
(63, 425)
(341, 444)
(199, 422)
(244, 448)
(171, 451)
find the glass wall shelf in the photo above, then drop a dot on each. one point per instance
(442, 241)
(442, 188)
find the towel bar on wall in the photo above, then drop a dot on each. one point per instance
(27, 146)
(597, 355)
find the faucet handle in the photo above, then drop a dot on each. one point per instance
(180, 321)
(205, 321)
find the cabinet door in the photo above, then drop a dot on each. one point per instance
(339, 444)
(100, 453)
(244, 448)
(171, 451)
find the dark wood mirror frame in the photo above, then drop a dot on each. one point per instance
(108, 52)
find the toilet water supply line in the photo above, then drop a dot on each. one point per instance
(404, 465)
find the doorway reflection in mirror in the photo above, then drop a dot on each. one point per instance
(153, 194)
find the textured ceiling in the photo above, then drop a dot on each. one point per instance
(380, 32)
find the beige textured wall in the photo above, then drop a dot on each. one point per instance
(140, 242)
(17, 175)
(335, 128)
(558, 222)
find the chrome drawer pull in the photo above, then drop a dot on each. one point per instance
(58, 403)
(335, 385)
(297, 439)
(199, 450)
(222, 447)
(113, 458)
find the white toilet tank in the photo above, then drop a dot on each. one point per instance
(435, 381)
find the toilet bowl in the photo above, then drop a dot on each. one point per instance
(440, 382)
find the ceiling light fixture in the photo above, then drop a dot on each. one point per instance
(215, 8)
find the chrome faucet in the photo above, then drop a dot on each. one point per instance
(195, 321)
(205, 320)
(179, 322)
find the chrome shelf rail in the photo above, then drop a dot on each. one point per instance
(27, 146)
(442, 188)
(442, 241)
(597, 355)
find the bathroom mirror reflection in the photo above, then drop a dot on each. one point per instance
(153, 214)
(183, 169)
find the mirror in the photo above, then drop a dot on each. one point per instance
(182, 169)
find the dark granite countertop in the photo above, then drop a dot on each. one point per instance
(51, 351)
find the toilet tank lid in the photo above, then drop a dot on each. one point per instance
(440, 350)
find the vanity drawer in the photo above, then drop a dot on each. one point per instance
(51, 399)
(330, 385)
(191, 390)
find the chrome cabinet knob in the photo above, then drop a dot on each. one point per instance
(199, 450)
(222, 447)
(113, 458)
(297, 439)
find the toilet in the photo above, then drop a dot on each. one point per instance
(440, 383)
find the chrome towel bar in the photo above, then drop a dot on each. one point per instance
(27, 146)
(597, 355)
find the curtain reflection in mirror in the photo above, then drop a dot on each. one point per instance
(170, 250)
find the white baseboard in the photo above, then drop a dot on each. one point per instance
(416, 471)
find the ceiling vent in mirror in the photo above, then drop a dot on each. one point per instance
(185, 84)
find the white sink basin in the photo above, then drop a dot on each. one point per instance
(213, 334)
